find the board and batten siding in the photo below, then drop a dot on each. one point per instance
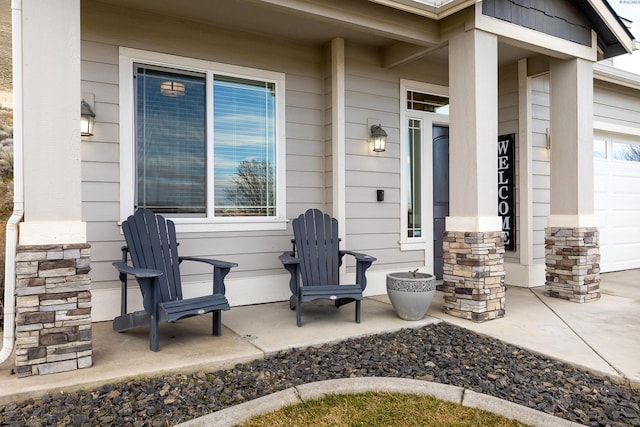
(107, 28)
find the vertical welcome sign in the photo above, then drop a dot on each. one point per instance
(506, 189)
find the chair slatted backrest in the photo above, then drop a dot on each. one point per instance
(317, 246)
(151, 241)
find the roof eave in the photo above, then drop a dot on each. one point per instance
(613, 22)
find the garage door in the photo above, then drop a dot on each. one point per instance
(617, 201)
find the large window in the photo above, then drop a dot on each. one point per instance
(171, 145)
(244, 147)
(207, 140)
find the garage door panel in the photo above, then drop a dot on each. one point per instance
(623, 236)
(616, 257)
(625, 218)
(617, 211)
(622, 202)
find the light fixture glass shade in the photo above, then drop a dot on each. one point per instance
(379, 138)
(171, 88)
(86, 119)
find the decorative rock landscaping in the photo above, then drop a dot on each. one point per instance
(441, 353)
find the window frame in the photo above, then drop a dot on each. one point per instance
(428, 120)
(610, 138)
(127, 58)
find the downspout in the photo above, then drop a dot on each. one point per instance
(18, 190)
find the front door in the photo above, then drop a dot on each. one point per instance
(440, 193)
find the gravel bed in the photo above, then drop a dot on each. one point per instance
(442, 353)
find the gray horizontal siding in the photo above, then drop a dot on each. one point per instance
(540, 166)
(104, 30)
(508, 123)
(616, 105)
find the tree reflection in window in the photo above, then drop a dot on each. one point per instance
(252, 192)
(627, 152)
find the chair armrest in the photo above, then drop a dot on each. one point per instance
(287, 258)
(220, 271)
(292, 265)
(360, 257)
(138, 273)
(363, 262)
(214, 262)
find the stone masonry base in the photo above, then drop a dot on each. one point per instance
(473, 280)
(573, 263)
(53, 309)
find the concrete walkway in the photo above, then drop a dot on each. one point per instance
(601, 336)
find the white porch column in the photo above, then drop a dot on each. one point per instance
(473, 247)
(338, 148)
(572, 254)
(52, 288)
(51, 111)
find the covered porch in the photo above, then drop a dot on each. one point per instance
(601, 337)
(340, 68)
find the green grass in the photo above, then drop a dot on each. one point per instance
(380, 409)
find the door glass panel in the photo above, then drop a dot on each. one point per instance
(414, 178)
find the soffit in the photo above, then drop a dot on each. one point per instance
(280, 19)
(269, 18)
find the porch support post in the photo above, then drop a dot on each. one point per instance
(53, 299)
(473, 282)
(338, 148)
(572, 237)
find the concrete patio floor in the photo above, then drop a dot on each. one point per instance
(601, 336)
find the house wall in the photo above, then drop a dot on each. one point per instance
(615, 104)
(541, 167)
(508, 123)
(372, 97)
(104, 30)
(371, 93)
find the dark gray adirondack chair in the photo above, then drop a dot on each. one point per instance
(316, 258)
(152, 246)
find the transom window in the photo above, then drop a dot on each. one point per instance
(207, 140)
(419, 101)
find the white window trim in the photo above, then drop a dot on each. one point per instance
(429, 119)
(127, 57)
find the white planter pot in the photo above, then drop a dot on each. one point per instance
(411, 294)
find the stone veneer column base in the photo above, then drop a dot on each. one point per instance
(53, 309)
(573, 263)
(473, 280)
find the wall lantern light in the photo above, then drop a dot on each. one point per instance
(379, 138)
(548, 139)
(86, 119)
